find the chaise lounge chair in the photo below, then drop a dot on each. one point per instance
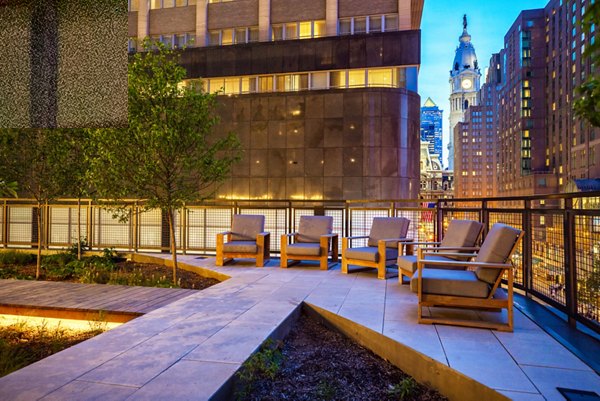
(477, 289)
(245, 240)
(313, 241)
(461, 236)
(382, 247)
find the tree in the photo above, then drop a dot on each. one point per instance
(168, 155)
(588, 104)
(8, 189)
(38, 160)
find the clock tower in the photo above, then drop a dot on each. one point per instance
(464, 85)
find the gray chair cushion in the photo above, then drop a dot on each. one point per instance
(312, 227)
(496, 249)
(304, 249)
(409, 263)
(388, 227)
(246, 227)
(240, 247)
(370, 253)
(460, 283)
(461, 233)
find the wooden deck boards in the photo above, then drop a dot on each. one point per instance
(87, 297)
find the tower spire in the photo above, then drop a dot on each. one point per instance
(465, 22)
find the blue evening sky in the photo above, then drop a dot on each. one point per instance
(488, 22)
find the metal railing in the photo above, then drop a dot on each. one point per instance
(557, 262)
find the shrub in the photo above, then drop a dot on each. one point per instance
(263, 364)
(12, 257)
(59, 266)
(403, 390)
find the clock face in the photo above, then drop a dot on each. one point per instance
(466, 83)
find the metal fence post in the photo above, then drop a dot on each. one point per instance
(526, 261)
(570, 262)
(5, 224)
(439, 227)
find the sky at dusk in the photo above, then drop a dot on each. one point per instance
(488, 22)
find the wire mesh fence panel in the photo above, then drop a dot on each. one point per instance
(548, 256)
(587, 259)
(276, 221)
(196, 239)
(110, 232)
(360, 223)
(149, 229)
(64, 226)
(418, 228)
(1, 224)
(515, 220)
(20, 224)
(338, 224)
(217, 220)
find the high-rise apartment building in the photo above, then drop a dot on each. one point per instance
(431, 127)
(464, 85)
(322, 93)
(541, 147)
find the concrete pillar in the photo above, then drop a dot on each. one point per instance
(264, 20)
(331, 17)
(143, 20)
(404, 15)
(201, 22)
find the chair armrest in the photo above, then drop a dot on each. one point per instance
(391, 240)
(224, 233)
(457, 263)
(289, 235)
(450, 254)
(329, 235)
(264, 234)
(410, 242)
(450, 248)
(357, 237)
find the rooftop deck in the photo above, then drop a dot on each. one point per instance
(190, 348)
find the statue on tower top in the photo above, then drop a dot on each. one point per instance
(465, 22)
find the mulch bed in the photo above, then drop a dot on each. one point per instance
(321, 364)
(189, 280)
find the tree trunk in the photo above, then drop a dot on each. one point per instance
(39, 244)
(171, 219)
(78, 228)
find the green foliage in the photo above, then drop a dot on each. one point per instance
(589, 292)
(403, 390)
(326, 390)
(13, 257)
(81, 245)
(588, 105)
(22, 344)
(8, 189)
(264, 364)
(167, 155)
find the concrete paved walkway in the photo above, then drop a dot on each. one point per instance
(188, 349)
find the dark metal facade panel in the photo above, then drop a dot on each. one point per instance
(330, 53)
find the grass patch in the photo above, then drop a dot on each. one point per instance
(22, 344)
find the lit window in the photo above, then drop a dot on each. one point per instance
(232, 86)
(168, 3)
(155, 4)
(227, 37)
(319, 80)
(356, 78)
(380, 77)
(291, 31)
(134, 5)
(305, 29)
(319, 29)
(265, 84)
(277, 32)
(338, 79)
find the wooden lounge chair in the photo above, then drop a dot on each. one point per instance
(460, 236)
(477, 289)
(382, 247)
(245, 240)
(313, 241)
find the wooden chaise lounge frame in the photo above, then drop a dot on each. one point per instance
(495, 300)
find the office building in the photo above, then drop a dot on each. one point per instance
(322, 93)
(431, 127)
